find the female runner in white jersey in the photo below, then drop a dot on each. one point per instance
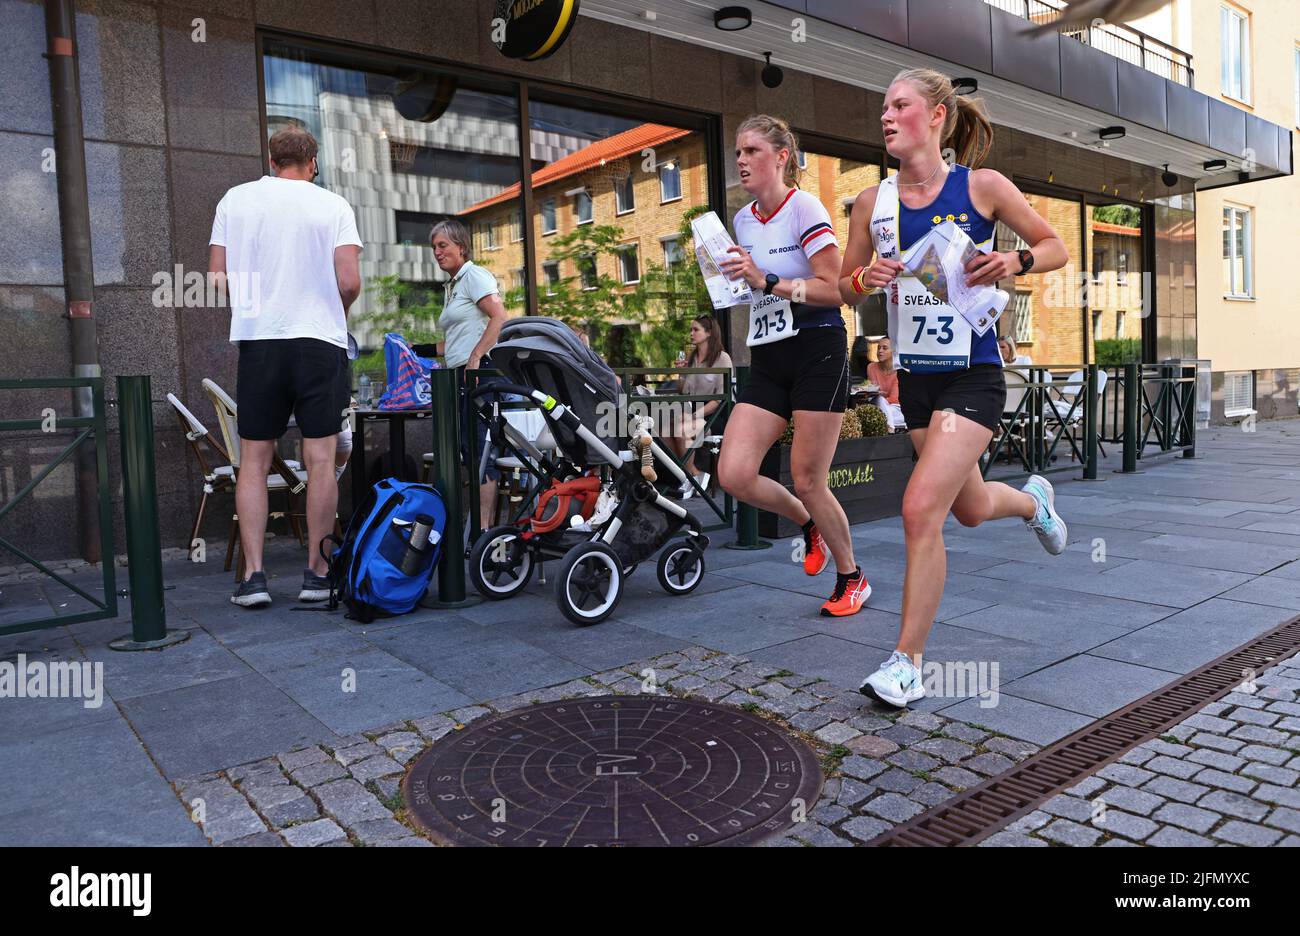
(950, 383)
(788, 254)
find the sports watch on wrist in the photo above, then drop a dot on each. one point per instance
(1026, 261)
(769, 283)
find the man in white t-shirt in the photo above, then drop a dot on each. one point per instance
(288, 252)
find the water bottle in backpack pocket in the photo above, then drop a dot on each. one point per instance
(389, 552)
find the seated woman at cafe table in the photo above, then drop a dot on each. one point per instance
(881, 373)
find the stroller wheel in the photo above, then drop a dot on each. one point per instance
(680, 568)
(500, 564)
(590, 583)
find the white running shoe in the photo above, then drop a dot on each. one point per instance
(897, 681)
(1046, 523)
(686, 491)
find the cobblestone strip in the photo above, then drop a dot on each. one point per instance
(1228, 775)
(882, 766)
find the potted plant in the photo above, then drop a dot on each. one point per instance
(867, 475)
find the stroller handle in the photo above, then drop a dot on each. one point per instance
(536, 396)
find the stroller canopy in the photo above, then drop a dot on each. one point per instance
(545, 354)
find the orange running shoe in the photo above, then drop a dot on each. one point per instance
(815, 554)
(851, 593)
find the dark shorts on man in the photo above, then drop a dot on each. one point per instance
(307, 378)
(977, 393)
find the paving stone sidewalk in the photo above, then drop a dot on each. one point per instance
(1166, 570)
(1228, 775)
(882, 765)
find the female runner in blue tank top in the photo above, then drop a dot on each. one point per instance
(950, 383)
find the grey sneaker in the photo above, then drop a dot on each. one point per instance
(1046, 523)
(314, 587)
(252, 592)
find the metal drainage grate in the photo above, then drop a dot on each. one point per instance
(613, 770)
(978, 812)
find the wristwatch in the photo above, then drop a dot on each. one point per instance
(1026, 261)
(770, 282)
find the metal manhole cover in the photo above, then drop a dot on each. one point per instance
(613, 770)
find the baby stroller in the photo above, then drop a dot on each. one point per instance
(596, 511)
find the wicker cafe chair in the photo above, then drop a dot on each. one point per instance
(218, 478)
(1063, 397)
(287, 478)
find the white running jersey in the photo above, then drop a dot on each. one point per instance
(783, 243)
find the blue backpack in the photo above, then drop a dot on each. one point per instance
(366, 567)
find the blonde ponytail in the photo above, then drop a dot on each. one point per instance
(967, 129)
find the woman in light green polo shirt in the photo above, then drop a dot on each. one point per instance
(471, 320)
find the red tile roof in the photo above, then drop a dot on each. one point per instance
(589, 157)
(1105, 227)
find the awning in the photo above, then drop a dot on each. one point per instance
(1048, 85)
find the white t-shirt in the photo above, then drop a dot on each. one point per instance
(462, 321)
(280, 236)
(784, 243)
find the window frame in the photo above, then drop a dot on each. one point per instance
(623, 251)
(676, 164)
(619, 209)
(582, 272)
(555, 216)
(1248, 246)
(1239, 410)
(591, 207)
(1241, 35)
(676, 240)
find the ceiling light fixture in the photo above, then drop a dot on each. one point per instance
(733, 18)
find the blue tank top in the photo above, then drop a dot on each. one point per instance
(953, 204)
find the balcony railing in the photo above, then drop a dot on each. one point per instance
(1115, 39)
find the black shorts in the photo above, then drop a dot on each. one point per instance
(307, 377)
(809, 371)
(978, 393)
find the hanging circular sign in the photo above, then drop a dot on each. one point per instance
(532, 29)
(423, 97)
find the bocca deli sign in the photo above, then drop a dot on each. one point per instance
(532, 29)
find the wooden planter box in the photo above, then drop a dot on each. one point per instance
(867, 476)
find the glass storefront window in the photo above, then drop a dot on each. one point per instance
(1047, 317)
(614, 190)
(407, 148)
(1115, 293)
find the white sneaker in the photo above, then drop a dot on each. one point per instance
(686, 491)
(1046, 523)
(897, 681)
(703, 480)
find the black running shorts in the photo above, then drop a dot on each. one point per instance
(307, 377)
(978, 393)
(809, 371)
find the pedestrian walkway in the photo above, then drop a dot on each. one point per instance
(1167, 569)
